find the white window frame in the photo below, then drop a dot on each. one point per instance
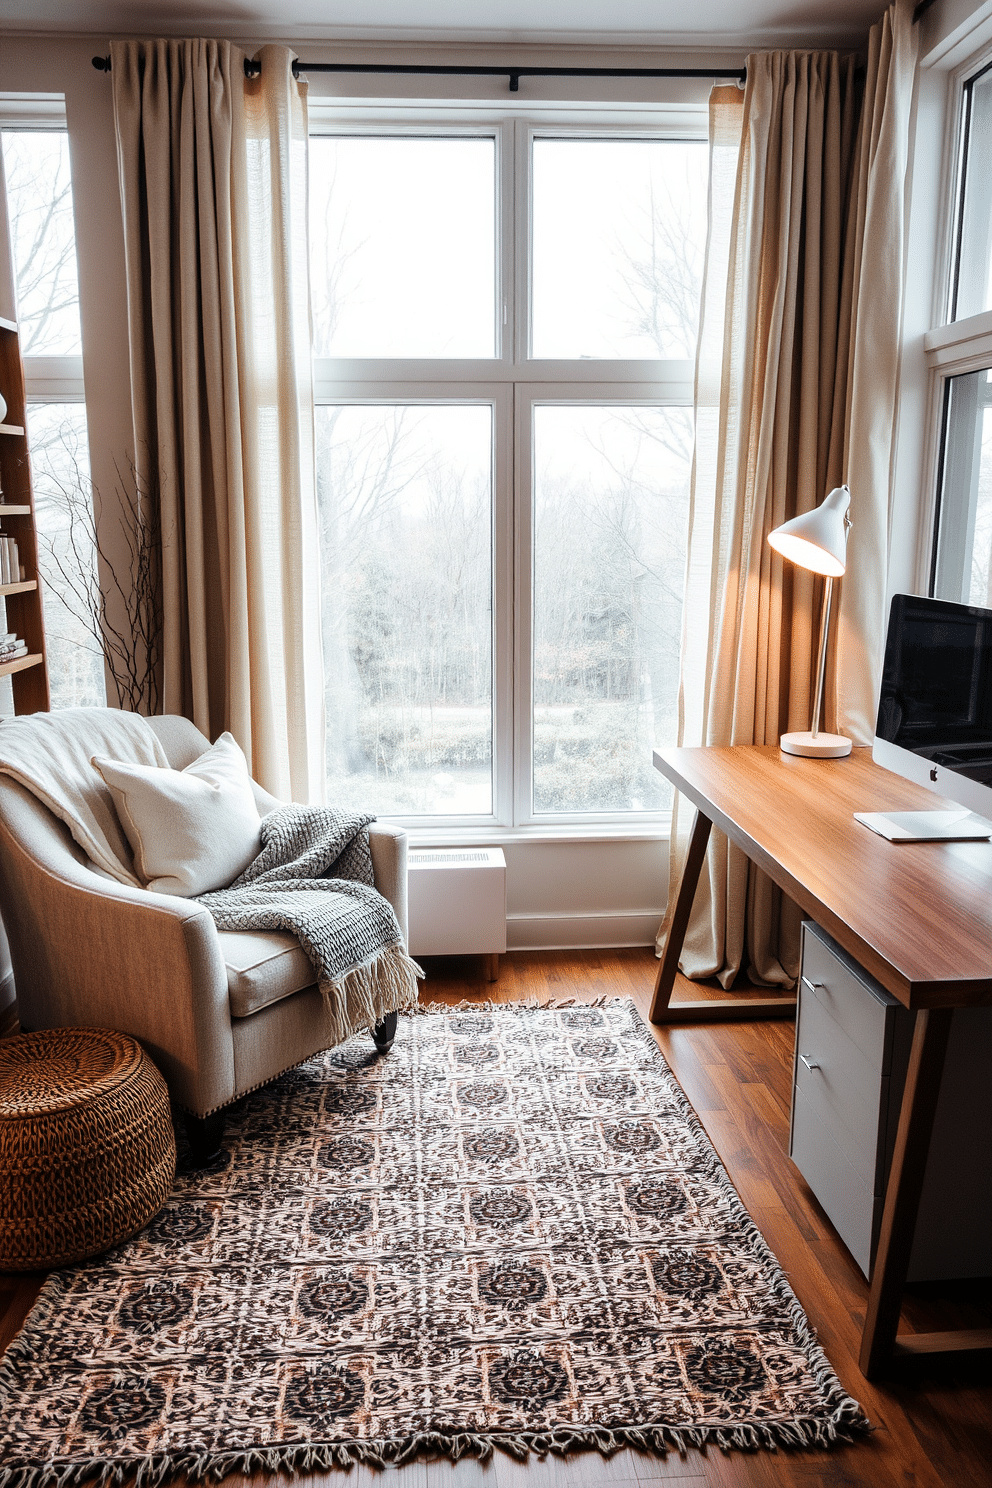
(513, 383)
(951, 348)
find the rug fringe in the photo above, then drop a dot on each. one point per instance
(394, 1452)
(523, 1005)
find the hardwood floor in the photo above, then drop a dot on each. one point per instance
(933, 1429)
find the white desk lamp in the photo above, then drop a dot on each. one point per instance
(818, 541)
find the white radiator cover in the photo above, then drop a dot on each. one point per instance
(457, 901)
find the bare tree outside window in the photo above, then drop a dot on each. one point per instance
(43, 240)
(609, 557)
(66, 553)
(39, 208)
(406, 517)
(406, 496)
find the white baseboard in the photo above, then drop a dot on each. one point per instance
(566, 932)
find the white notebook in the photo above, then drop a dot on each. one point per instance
(926, 826)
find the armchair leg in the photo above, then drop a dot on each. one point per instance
(384, 1032)
(204, 1134)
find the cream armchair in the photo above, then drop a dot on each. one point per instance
(220, 1012)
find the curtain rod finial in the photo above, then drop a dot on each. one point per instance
(102, 64)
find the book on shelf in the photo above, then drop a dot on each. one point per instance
(10, 562)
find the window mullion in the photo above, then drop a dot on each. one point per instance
(523, 606)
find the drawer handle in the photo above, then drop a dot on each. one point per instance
(813, 986)
(810, 1064)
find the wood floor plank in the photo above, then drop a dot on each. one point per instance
(20, 1292)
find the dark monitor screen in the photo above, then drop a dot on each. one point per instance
(936, 693)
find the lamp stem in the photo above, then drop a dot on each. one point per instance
(821, 663)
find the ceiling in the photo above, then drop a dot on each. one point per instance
(672, 22)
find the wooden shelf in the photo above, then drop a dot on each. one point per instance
(22, 601)
(7, 668)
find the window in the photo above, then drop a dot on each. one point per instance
(504, 327)
(972, 284)
(43, 250)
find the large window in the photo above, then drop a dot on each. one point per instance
(43, 249)
(504, 324)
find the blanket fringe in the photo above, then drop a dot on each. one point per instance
(361, 997)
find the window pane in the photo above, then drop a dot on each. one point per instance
(963, 566)
(611, 503)
(39, 202)
(405, 499)
(66, 556)
(972, 290)
(619, 236)
(402, 236)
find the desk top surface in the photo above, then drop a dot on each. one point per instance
(917, 915)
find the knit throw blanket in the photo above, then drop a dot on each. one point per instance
(314, 878)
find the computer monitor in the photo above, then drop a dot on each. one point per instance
(934, 721)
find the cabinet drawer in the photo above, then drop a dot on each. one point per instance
(847, 1094)
(853, 1001)
(851, 1208)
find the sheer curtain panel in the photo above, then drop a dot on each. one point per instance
(213, 175)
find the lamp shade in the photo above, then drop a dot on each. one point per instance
(818, 539)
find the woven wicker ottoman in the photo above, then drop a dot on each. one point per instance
(87, 1151)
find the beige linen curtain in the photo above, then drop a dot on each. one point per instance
(785, 305)
(876, 276)
(213, 176)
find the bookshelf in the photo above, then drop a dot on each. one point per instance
(23, 600)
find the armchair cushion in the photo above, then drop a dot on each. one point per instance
(263, 967)
(190, 830)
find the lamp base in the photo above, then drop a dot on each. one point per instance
(818, 746)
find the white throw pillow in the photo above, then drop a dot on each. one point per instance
(190, 830)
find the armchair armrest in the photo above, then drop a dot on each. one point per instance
(388, 846)
(90, 952)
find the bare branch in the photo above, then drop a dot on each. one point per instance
(130, 651)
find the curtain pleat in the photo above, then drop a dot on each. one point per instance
(873, 306)
(213, 181)
(801, 316)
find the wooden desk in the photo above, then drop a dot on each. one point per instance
(918, 916)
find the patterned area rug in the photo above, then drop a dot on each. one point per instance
(510, 1232)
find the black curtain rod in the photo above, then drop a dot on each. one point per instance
(102, 64)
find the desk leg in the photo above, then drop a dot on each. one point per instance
(668, 970)
(902, 1192)
(722, 1009)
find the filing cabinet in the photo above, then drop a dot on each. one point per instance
(852, 1050)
